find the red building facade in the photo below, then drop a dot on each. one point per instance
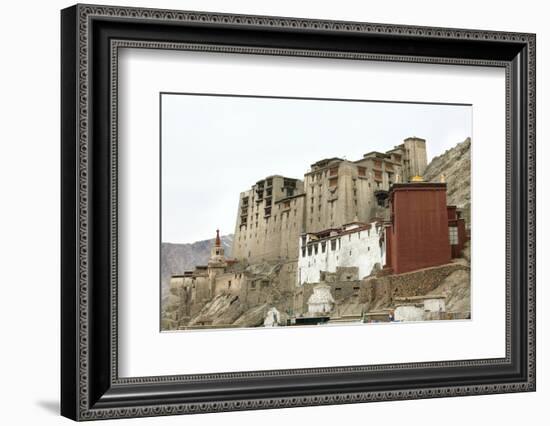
(422, 227)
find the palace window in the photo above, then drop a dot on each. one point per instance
(453, 235)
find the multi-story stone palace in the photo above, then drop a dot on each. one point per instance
(277, 210)
(313, 242)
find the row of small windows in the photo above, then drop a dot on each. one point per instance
(245, 204)
(333, 171)
(244, 220)
(315, 247)
(263, 284)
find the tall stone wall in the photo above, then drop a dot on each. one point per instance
(287, 226)
(416, 157)
(329, 201)
(343, 191)
(268, 227)
(379, 291)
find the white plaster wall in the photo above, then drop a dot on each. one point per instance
(409, 313)
(360, 249)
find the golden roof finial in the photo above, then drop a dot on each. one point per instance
(417, 178)
(442, 178)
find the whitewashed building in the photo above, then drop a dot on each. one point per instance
(357, 244)
(419, 308)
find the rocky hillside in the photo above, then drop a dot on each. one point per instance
(454, 164)
(177, 258)
(230, 310)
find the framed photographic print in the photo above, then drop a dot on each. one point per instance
(263, 212)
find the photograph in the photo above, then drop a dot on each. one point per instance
(285, 211)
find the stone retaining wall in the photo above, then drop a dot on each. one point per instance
(378, 292)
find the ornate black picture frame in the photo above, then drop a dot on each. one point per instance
(90, 38)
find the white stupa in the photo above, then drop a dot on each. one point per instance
(321, 301)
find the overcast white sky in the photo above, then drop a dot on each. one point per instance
(214, 147)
